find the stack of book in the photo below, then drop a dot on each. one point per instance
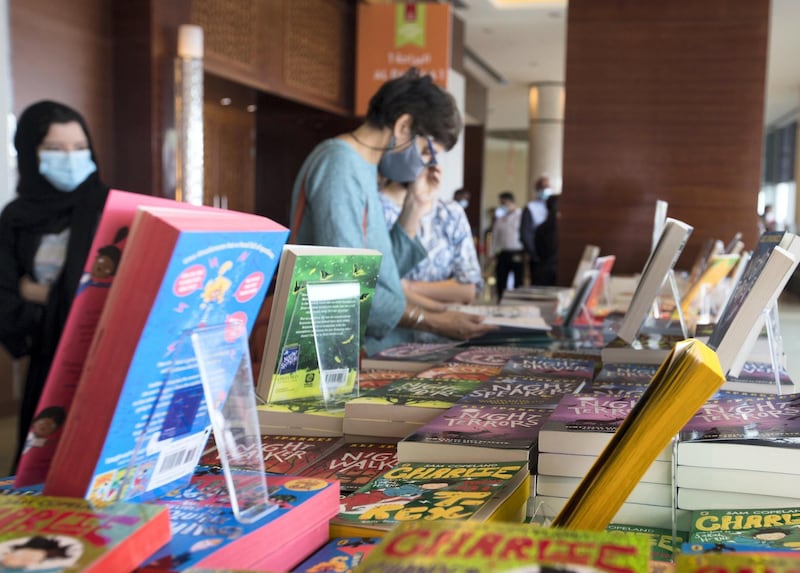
(741, 453)
(570, 442)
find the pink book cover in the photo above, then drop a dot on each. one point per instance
(65, 372)
(604, 266)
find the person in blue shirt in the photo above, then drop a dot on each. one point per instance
(335, 200)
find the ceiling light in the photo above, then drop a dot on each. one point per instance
(225, 101)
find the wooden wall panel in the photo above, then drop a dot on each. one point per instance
(62, 51)
(302, 50)
(663, 101)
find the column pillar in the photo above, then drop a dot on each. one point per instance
(545, 133)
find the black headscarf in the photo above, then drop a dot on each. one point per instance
(41, 208)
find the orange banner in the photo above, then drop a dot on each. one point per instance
(394, 37)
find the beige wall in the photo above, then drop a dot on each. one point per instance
(505, 168)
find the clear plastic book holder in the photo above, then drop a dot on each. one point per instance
(318, 362)
(772, 325)
(335, 310)
(676, 297)
(208, 387)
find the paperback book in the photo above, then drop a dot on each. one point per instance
(689, 377)
(432, 492)
(354, 464)
(205, 532)
(460, 371)
(751, 433)
(735, 562)
(182, 270)
(402, 406)
(753, 529)
(99, 273)
(469, 546)
(308, 417)
(474, 433)
(555, 366)
(523, 391)
(283, 454)
(412, 356)
(339, 555)
(317, 323)
(50, 534)
(584, 424)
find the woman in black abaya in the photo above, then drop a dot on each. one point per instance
(45, 235)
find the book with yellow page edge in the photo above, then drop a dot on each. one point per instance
(469, 546)
(689, 376)
(432, 492)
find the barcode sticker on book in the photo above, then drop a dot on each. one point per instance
(177, 459)
(332, 380)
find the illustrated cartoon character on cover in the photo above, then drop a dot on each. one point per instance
(105, 264)
(171, 562)
(216, 288)
(777, 537)
(337, 564)
(44, 425)
(357, 503)
(45, 554)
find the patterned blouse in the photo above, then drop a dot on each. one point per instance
(446, 234)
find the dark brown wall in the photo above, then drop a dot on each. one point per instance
(286, 132)
(474, 139)
(664, 101)
(63, 51)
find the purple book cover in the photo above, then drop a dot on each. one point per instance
(771, 418)
(538, 365)
(523, 391)
(425, 351)
(483, 425)
(761, 372)
(591, 413)
(488, 355)
(626, 373)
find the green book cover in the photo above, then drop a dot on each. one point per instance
(761, 529)
(469, 546)
(318, 321)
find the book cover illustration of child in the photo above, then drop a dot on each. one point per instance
(44, 554)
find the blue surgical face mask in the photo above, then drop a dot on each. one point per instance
(66, 170)
(464, 203)
(404, 166)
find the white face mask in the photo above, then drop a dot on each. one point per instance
(464, 203)
(500, 212)
(545, 193)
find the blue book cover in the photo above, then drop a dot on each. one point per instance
(144, 398)
(205, 532)
(340, 554)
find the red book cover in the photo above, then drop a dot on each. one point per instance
(50, 534)
(98, 275)
(354, 464)
(284, 454)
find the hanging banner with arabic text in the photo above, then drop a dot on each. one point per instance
(394, 37)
